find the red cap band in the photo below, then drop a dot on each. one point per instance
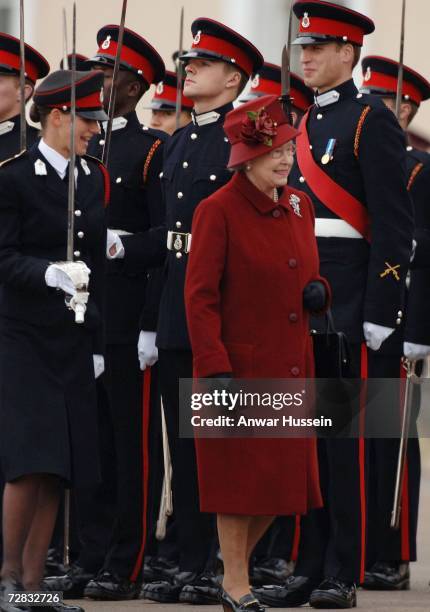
(168, 93)
(389, 83)
(87, 102)
(329, 27)
(14, 61)
(226, 49)
(267, 86)
(133, 58)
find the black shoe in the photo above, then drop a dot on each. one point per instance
(107, 586)
(167, 591)
(203, 590)
(333, 593)
(270, 571)
(72, 584)
(159, 568)
(8, 586)
(388, 576)
(54, 563)
(247, 603)
(294, 593)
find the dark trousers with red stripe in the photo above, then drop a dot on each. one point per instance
(125, 403)
(332, 539)
(195, 529)
(384, 543)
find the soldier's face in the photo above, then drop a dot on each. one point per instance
(324, 66)
(166, 120)
(9, 96)
(85, 129)
(205, 79)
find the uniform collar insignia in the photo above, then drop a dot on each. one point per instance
(205, 118)
(329, 97)
(6, 127)
(117, 124)
(40, 168)
(85, 166)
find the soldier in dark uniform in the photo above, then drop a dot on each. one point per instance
(163, 106)
(49, 362)
(351, 160)
(135, 162)
(390, 551)
(218, 66)
(10, 120)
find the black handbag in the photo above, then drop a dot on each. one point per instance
(331, 351)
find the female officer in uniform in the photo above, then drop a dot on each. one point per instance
(48, 362)
(252, 280)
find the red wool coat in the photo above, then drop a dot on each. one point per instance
(249, 263)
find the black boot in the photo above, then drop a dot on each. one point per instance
(294, 593)
(72, 583)
(270, 571)
(333, 593)
(107, 586)
(203, 590)
(388, 576)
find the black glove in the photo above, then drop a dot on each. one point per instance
(315, 296)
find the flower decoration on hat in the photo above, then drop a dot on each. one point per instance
(258, 127)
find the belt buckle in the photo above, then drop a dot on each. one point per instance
(179, 242)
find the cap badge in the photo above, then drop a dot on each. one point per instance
(255, 83)
(197, 37)
(40, 168)
(368, 74)
(295, 204)
(102, 95)
(306, 22)
(160, 88)
(106, 42)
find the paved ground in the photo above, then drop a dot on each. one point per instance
(416, 600)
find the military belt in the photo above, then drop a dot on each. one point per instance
(179, 242)
(335, 228)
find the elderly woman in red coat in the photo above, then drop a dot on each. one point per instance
(252, 280)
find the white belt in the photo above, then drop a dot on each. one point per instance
(335, 228)
(121, 232)
(179, 242)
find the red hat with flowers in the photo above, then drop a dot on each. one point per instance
(255, 128)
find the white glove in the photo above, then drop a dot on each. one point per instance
(99, 365)
(114, 246)
(68, 276)
(415, 351)
(146, 349)
(376, 334)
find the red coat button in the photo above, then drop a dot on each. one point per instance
(276, 213)
(295, 371)
(292, 263)
(293, 317)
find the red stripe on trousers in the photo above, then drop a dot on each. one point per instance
(145, 468)
(404, 515)
(362, 458)
(296, 539)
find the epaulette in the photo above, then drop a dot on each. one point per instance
(369, 100)
(156, 134)
(421, 156)
(13, 158)
(106, 177)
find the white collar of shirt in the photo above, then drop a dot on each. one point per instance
(57, 161)
(117, 124)
(205, 118)
(329, 97)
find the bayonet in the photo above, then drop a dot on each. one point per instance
(179, 69)
(23, 126)
(399, 95)
(112, 97)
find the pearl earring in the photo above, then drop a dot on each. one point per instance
(248, 167)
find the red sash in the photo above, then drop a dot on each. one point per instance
(332, 195)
